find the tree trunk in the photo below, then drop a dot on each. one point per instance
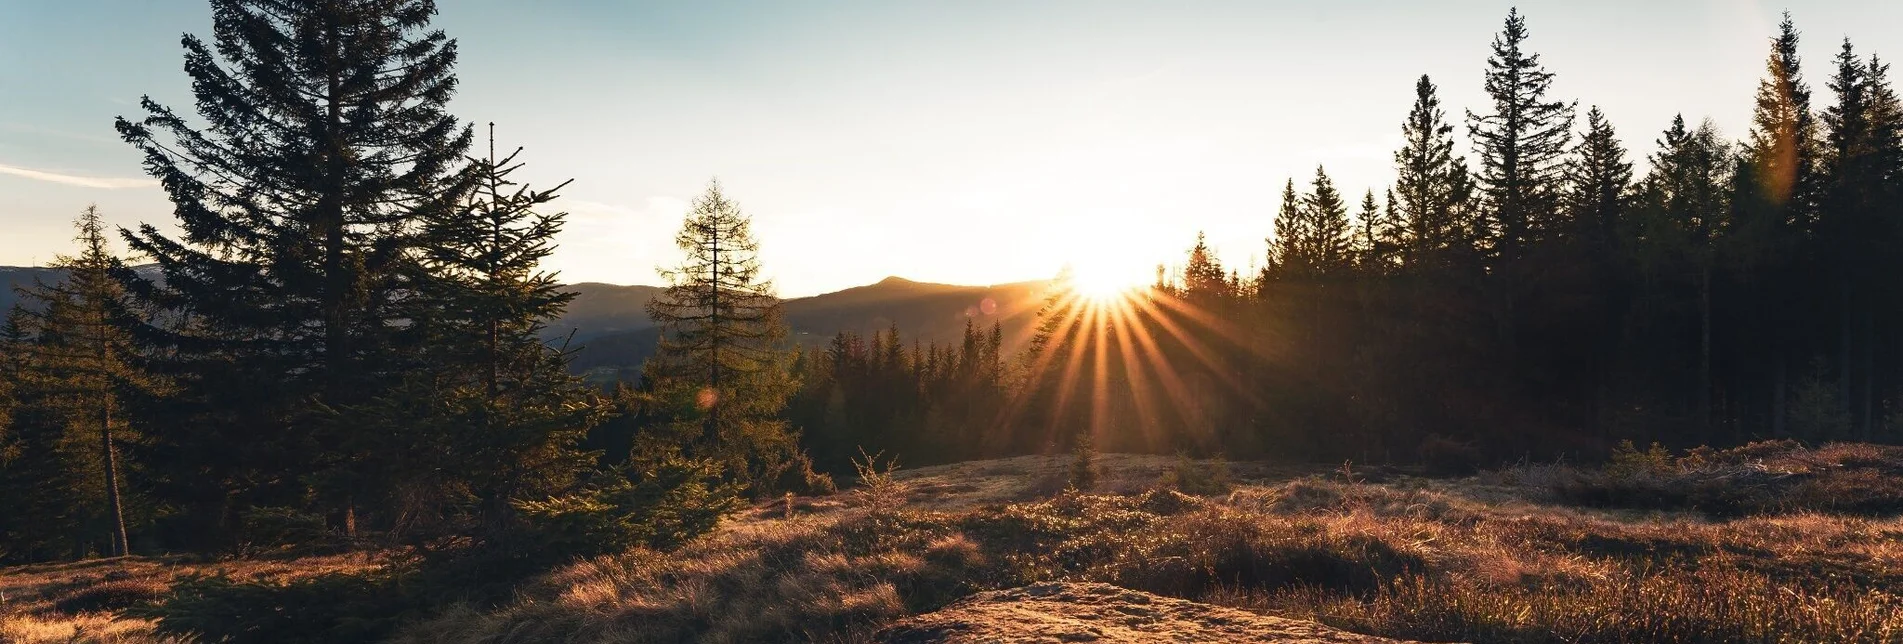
(1704, 350)
(119, 542)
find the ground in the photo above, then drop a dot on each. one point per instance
(1771, 543)
(1054, 613)
(85, 601)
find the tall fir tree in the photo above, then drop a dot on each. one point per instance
(1855, 226)
(1432, 189)
(325, 142)
(1289, 253)
(1682, 218)
(1783, 142)
(1521, 143)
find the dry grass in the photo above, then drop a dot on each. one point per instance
(1494, 558)
(1482, 560)
(82, 601)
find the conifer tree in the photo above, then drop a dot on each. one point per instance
(1682, 218)
(1289, 253)
(1432, 188)
(1331, 235)
(1783, 143)
(325, 140)
(1204, 281)
(80, 366)
(488, 413)
(1521, 143)
(720, 368)
(1599, 182)
(1377, 240)
(1854, 226)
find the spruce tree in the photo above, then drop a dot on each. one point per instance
(1599, 183)
(488, 413)
(1204, 281)
(1432, 188)
(1289, 253)
(325, 142)
(1783, 143)
(1521, 143)
(720, 369)
(1377, 239)
(1682, 217)
(1855, 228)
(1331, 235)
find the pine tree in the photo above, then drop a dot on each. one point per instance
(1599, 183)
(1783, 142)
(1204, 281)
(720, 366)
(1682, 218)
(1377, 239)
(80, 359)
(1854, 227)
(488, 414)
(1332, 235)
(1289, 253)
(1432, 189)
(325, 143)
(1521, 144)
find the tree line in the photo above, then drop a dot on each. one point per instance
(1539, 296)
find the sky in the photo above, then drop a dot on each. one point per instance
(974, 142)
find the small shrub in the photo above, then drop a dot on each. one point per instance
(877, 488)
(326, 608)
(287, 529)
(1628, 461)
(1083, 463)
(1197, 478)
(672, 501)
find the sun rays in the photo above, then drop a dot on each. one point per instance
(1125, 362)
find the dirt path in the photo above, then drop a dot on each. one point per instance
(1070, 612)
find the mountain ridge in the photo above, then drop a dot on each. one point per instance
(608, 326)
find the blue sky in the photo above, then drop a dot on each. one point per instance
(971, 142)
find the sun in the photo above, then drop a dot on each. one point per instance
(1101, 280)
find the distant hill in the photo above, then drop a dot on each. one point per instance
(603, 309)
(922, 311)
(611, 329)
(12, 277)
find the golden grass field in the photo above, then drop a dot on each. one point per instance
(1506, 556)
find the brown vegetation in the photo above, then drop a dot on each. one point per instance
(85, 601)
(1502, 557)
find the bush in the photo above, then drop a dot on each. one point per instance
(1198, 478)
(1628, 461)
(326, 608)
(1083, 463)
(672, 501)
(287, 530)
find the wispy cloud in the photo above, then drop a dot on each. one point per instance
(107, 183)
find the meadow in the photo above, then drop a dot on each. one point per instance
(1771, 542)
